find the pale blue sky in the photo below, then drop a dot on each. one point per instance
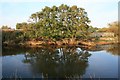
(100, 12)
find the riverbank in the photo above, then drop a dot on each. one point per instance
(86, 44)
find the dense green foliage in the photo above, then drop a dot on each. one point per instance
(57, 23)
(12, 36)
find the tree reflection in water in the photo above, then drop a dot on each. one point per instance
(58, 63)
(55, 62)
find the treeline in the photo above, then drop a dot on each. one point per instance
(12, 37)
(112, 27)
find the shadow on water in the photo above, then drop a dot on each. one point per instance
(65, 62)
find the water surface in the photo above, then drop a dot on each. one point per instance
(60, 62)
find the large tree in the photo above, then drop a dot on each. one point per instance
(60, 22)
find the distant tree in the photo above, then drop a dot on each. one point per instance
(11, 36)
(23, 25)
(5, 27)
(113, 27)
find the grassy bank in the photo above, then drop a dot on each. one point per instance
(86, 44)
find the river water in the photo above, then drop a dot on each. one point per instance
(60, 62)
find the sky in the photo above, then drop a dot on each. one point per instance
(100, 12)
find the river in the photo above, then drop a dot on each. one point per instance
(60, 62)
